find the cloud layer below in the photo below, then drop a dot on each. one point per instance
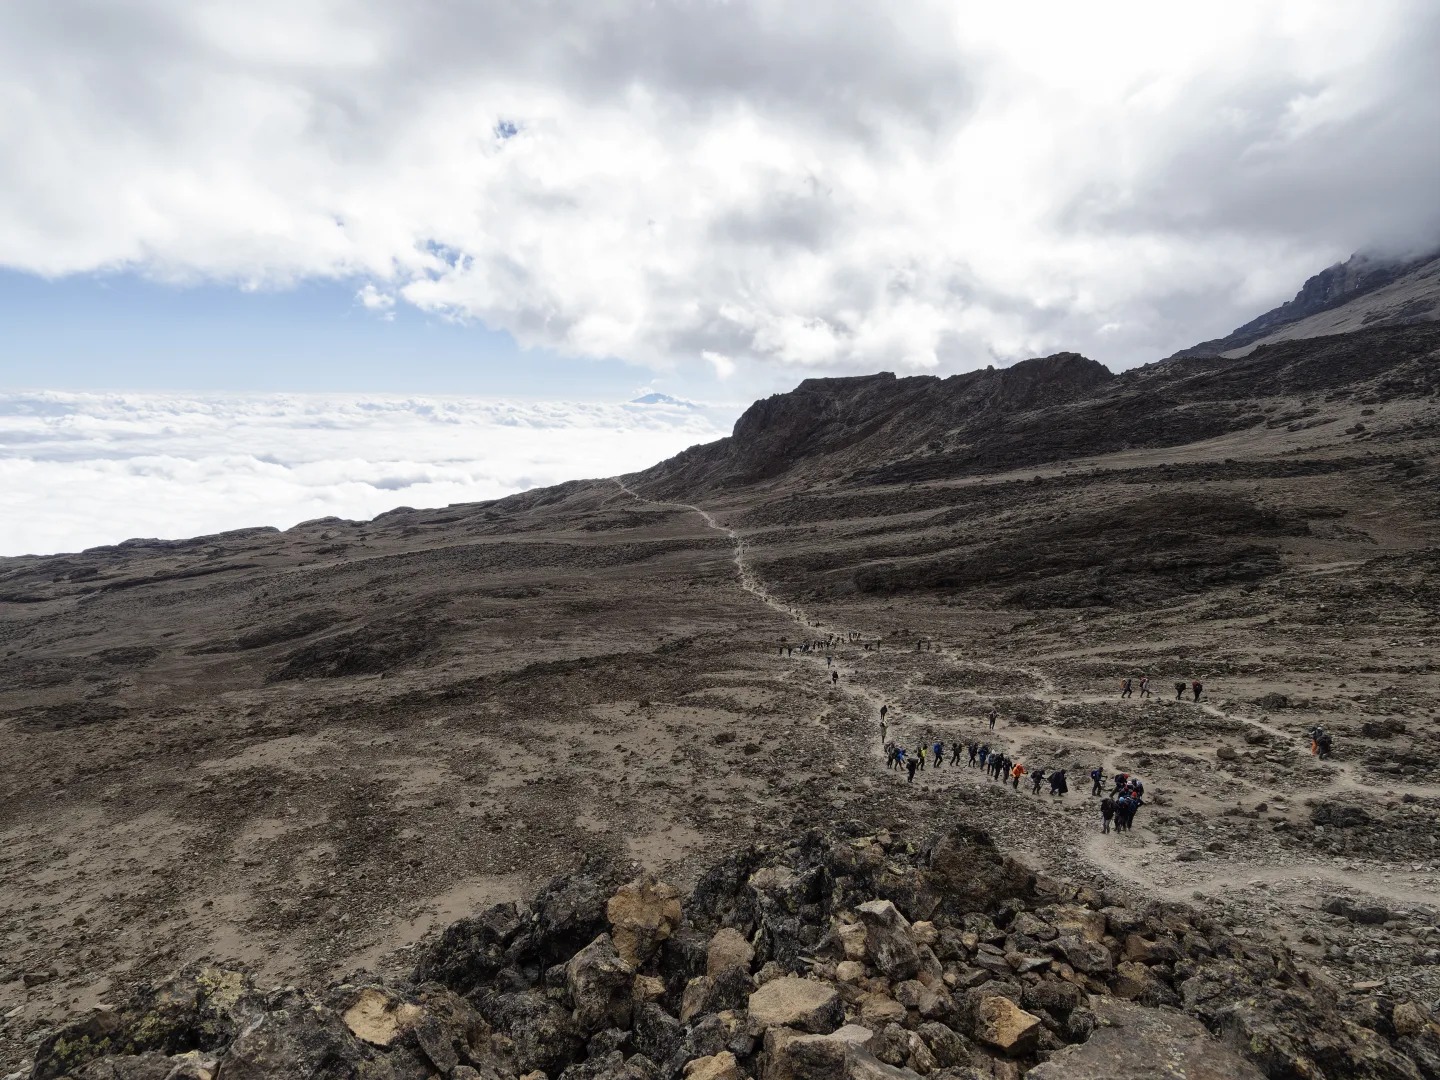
(77, 470)
(843, 186)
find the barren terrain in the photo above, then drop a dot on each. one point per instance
(302, 751)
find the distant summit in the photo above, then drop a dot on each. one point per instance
(1363, 292)
(663, 399)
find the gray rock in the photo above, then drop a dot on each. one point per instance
(1137, 1041)
(600, 986)
(887, 940)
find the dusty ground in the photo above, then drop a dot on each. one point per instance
(304, 750)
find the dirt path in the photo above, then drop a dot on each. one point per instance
(1096, 848)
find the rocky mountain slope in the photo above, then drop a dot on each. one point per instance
(1363, 292)
(842, 956)
(303, 755)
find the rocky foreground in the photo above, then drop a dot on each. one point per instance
(846, 954)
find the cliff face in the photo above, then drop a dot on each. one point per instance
(1343, 285)
(880, 429)
(853, 422)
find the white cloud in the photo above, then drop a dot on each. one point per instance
(374, 299)
(78, 470)
(841, 186)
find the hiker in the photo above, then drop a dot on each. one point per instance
(1124, 688)
(955, 748)
(920, 757)
(1097, 777)
(1058, 785)
(1107, 811)
(884, 727)
(1145, 686)
(910, 767)
(1036, 779)
(1119, 781)
(834, 677)
(982, 754)
(1016, 772)
(993, 715)
(1324, 743)
(974, 751)
(1197, 688)
(1179, 691)
(939, 751)
(883, 710)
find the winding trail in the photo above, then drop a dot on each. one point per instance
(1097, 849)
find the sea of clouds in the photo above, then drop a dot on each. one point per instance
(83, 469)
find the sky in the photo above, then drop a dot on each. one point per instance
(578, 201)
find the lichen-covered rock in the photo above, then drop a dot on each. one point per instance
(888, 943)
(601, 987)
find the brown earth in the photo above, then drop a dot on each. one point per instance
(302, 751)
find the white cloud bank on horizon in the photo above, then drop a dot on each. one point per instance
(834, 187)
(79, 470)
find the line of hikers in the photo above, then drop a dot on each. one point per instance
(1126, 797)
(1128, 686)
(996, 764)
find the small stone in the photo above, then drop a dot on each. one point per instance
(852, 936)
(1000, 1023)
(924, 933)
(879, 1010)
(848, 971)
(647, 988)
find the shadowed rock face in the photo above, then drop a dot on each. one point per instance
(880, 429)
(1342, 284)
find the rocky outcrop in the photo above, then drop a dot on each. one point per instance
(845, 955)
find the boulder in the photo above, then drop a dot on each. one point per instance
(1410, 1018)
(719, 1066)
(1000, 1023)
(642, 914)
(727, 989)
(728, 948)
(946, 1046)
(657, 1034)
(295, 1037)
(970, 873)
(601, 986)
(543, 1033)
(1082, 954)
(1138, 1042)
(864, 1066)
(799, 1003)
(888, 943)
